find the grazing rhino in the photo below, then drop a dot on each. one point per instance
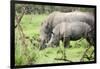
(58, 17)
(71, 31)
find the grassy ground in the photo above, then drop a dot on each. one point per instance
(30, 54)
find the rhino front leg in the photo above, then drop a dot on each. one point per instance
(66, 42)
(42, 45)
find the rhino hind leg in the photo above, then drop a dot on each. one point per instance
(85, 53)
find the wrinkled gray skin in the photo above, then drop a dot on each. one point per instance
(70, 31)
(58, 17)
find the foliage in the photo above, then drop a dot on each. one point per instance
(46, 9)
(30, 54)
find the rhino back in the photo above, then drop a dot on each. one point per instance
(76, 30)
(73, 16)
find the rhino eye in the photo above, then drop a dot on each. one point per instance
(52, 33)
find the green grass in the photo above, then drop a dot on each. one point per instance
(31, 23)
(30, 54)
